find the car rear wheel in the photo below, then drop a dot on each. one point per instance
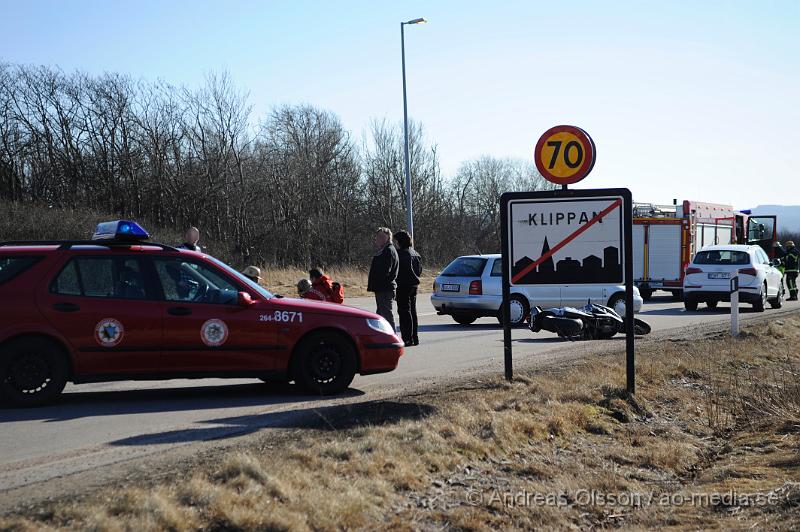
(778, 301)
(712, 304)
(519, 309)
(690, 304)
(465, 319)
(325, 363)
(761, 304)
(33, 371)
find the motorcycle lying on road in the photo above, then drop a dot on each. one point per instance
(591, 322)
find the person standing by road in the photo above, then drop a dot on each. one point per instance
(410, 268)
(791, 262)
(382, 278)
(192, 238)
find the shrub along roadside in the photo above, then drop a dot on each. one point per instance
(710, 440)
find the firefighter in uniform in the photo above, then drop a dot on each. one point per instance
(791, 263)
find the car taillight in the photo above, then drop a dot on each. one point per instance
(475, 288)
(748, 271)
(690, 271)
(435, 286)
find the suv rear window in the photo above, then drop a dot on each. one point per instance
(10, 267)
(737, 258)
(108, 277)
(465, 267)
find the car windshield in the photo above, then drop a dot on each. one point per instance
(10, 267)
(255, 286)
(465, 267)
(722, 257)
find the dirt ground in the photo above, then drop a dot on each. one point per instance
(710, 440)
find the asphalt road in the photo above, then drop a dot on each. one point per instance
(101, 424)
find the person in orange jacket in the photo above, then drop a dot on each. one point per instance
(324, 288)
(321, 284)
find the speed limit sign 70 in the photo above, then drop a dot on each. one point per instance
(564, 154)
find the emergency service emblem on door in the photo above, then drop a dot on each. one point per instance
(564, 154)
(109, 332)
(214, 332)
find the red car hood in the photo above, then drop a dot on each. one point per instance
(321, 307)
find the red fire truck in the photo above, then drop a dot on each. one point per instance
(666, 237)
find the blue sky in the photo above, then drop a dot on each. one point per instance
(686, 100)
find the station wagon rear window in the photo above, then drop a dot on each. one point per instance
(722, 258)
(465, 267)
(10, 267)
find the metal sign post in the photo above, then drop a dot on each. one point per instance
(735, 305)
(567, 239)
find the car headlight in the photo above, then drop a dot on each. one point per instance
(380, 325)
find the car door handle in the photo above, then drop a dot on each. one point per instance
(179, 311)
(66, 307)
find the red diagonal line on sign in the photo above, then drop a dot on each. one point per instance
(567, 240)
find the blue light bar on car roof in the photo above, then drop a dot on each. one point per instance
(120, 230)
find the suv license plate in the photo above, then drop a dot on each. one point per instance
(451, 287)
(719, 275)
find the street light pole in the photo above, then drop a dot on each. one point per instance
(409, 200)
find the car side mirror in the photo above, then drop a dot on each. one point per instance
(244, 300)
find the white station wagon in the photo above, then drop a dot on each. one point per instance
(471, 287)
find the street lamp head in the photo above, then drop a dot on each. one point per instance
(416, 21)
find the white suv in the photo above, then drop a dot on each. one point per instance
(472, 286)
(708, 277)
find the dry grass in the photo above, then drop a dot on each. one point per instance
(354, 280)
(717, 416)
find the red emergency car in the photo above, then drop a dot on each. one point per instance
(121, 308)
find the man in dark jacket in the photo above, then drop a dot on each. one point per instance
(791, 268)
(382, 278)
(407, 283)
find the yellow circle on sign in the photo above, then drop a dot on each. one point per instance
(563, 154)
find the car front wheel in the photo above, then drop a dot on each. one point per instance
(325, 363)
(778, 301)
(33, 371)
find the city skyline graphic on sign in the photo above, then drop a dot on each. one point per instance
(589, 269)
(566, 242)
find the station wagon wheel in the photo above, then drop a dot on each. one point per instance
(33, 371)
(325, 363)
(465, 319)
